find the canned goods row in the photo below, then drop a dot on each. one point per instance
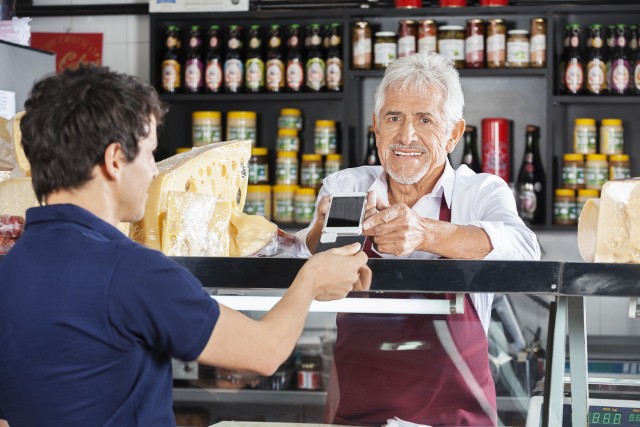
(281, 203)
(567, 206)
(312, 169)
(478, 45)
(595, 171)
(586, 141)
(206, 126)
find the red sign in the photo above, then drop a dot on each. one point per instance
(70, 48)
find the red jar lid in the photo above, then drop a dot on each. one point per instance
(494, 2)
(453, 3)
(407, 4)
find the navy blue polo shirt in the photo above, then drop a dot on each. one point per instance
(89, 321)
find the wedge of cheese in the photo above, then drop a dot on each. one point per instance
(615, 223)
(251, 234)
(196, 225)
(18, 151)
(218, 170)
(16, 196)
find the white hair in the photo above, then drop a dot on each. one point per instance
(415, 73)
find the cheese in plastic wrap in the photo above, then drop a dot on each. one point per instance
(196, 225)
(218, 170)
(252, 235)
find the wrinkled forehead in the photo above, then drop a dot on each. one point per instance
(427, 99)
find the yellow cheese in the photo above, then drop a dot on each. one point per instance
(251, 234)
(21, 159)
(196, 225)
(617, 215)
(124, 227)
(16, 196)
(218, 170)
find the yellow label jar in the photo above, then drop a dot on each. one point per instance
(205, 128)
(564, 207)
(287, 140)
(611, 136)
(304, 205)
(258, 200)
(332, 163)
(325, 138)
(259, 166)
(596, 171)
(573, 171)
(311, 171)
(283, 206)
(287, 168)
(583, 196)
(242, 125)
(619, 166)
(290, 118)
(584, 136)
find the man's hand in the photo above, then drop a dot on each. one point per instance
(336, 272)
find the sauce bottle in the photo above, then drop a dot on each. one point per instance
(531, 180)
(620, 70)
(596, 62)
(171, 70)
(470, 154)
(254, 65)
(295, 71)
(194, 66)
(213, 72)
(572, 65)
(275, 65)
(233, 66)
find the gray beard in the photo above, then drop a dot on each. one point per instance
(400, 176)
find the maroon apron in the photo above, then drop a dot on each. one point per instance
(426, 369)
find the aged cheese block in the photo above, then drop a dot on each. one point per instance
(16, 196)
(250, 234)
(196, 225)
(21, 159)
(617, 235)
(218, 170)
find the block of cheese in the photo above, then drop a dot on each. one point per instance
(16, 196)
(218, 169)
(16, 137)
(615, 222)
(7, 159)
(251, 234)
(196, 225)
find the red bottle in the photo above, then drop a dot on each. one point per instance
(496, 158)
(453, 3)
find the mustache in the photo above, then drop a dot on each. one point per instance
(414, 147)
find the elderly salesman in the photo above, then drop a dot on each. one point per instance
(419, 207)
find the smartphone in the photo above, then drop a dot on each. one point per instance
(345, 215)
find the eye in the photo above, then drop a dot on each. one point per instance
(394, 119)
(425, 121)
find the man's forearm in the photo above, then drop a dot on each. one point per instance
(456, 241)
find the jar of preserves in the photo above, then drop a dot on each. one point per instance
(332, 163)
(206, 128)
(564, 207)
(311, 171)
(361, 46)
(258, 201)
(384, 49)
(496, 43)
(242, 125)
(474, 44)
(407, 4)
(596, 171)
(287, 140)
(283, 203)
(259, 166)
(518, 49)
(453, 3)
(573, 171)
(290, 118)
(451, 43)
(538, 48)
(325, 138)
(427, 36)
(494, 2)
(619, 166)
(407, 37)
(304, 205)
(583, 196)
(287, 168)
(584, 136)
(611, 136)
(310, 372)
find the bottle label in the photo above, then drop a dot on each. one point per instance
(287, 172)
(287, 143)
(518, 52)
(362, 52)
(284, 209)
(334, 73)
(572, 176)
(316, 74)
(427, 44)
(596, 76)
(564, 212)
(258, 173)
(205, 134)
(538, 44)
(474, 48)
(311, 176)
(275, 75)
(256, 207)
(304, 211)
(620, 75)
(596, 176)
(636, 77)
(254, 78)
(584, 140)
(213, 76)
(241, 132)
(170, 75)
(385, 53)
(325, 142)
(406, 46)
(527, 201)
(193, 75)
(619, 172)
(452, 49)
(295, 75)
(496, 49)
(233, 72)
(574, 76)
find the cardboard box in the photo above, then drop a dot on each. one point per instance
(170, 6)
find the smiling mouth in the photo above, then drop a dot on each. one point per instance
(407, 153)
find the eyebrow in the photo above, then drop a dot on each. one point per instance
(399, 113)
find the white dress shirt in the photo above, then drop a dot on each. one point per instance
(482, 200)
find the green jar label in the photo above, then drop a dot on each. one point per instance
(284, 210)
(304, 211)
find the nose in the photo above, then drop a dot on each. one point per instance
(408, 133)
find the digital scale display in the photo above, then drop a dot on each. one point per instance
(602, 412)
(614, 416)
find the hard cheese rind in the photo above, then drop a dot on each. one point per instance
(218, 170)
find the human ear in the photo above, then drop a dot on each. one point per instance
(114, 160)
(456, 134)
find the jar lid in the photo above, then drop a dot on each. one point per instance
(326, 123)
(334, 157)
(259, 188)
(290, 112)
(259, 151)
(588, 192)
(565, 192)
(312, 157)
(451, 28)
(283, 188)
(287, 132)
(619, 158)
(182, 150)
(597, 157)
(611, 122)
(574, 157)
(287, 154)
(241, 115)
(206, 114)
(385, 34)
(589, 122)
(306, 191)
(518, 32)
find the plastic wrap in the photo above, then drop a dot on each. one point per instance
(7, 159)
(252, 235)
(11, 228)
(16, 31)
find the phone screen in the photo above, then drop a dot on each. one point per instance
(345, 211)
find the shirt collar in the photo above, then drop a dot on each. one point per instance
(72, 214)
(443, 185)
